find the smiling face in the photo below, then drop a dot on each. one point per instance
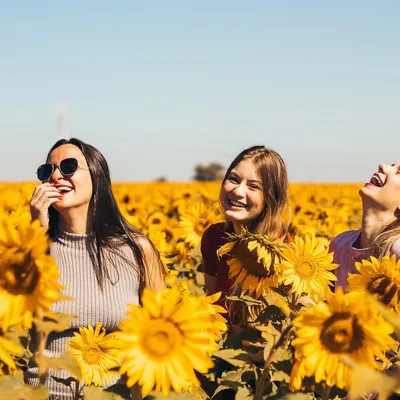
(383, 189)
(241, 196)
(76, 189)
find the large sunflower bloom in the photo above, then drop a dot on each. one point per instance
(28, 276)
(164, 341)
(328, 332)
(96, 354)
(196, 220)
(381, 278)
(253, 262)
(306, 266)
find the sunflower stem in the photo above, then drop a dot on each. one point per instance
(136, 392)
(264, 376)
(41, 349)
(326, 392)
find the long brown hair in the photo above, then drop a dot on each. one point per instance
(275, 184)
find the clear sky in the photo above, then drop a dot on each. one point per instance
(158, 86)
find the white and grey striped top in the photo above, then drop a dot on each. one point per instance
(90, 303)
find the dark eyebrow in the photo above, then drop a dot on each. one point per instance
(255, 181)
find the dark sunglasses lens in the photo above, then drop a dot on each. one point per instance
(68, 166)
(44, 172)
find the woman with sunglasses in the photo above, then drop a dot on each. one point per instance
(104, 262)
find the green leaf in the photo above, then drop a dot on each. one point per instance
(177, 396)
(243, 394)
(65, 361)
(365, 381)
(12, 387)
(238, 358)
(232, 376)
(250, 301)
(220, 388)
(60, 323)
(97, 393)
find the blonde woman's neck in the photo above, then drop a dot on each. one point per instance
(372, 223)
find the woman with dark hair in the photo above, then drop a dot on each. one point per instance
(104, 262)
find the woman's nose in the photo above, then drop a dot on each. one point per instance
(239, 190)
(56, 175)
(383, 168)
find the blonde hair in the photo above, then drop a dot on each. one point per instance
(383, 243)
(273, 173)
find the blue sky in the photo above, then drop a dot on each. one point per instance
(158, 86)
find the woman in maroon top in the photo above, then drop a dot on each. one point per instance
(254, 194)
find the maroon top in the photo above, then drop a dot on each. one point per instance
(213, 238)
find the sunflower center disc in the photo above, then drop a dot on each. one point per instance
(341, 333)
(20, 276)
(305, 267)
(249, 260)
(160, 338)
(92, 355)
(384, 287)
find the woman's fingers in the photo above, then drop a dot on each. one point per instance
(43, 197)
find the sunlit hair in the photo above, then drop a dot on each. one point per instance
(110, 229)
(272, 170)
(383, 243)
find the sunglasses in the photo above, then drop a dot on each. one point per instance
(67, 167)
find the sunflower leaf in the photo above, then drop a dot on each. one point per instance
(61, 322)
(238, 358)
(365, 380)
(243, 394)
(12, 387)
(250, 301)
(66, 361)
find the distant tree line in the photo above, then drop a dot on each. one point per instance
(212, 171)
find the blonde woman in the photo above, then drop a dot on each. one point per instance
(380, 231)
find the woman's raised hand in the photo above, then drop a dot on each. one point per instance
(43, 197)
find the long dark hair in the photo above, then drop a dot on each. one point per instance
(109, 227)
(273, 173)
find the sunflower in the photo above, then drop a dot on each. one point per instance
(253, 262)
(328, 332)
(96, 354)
(305, 265)
(165, 340)
(219, 323)
(28, 276)
(196, 220)
(381, 278)
(8, 350)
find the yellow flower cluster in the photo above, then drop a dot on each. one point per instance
(173, 334)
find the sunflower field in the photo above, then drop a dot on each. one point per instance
(296, 339)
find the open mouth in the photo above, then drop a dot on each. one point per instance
(376, 181)
(237, 204)
(64, 189)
